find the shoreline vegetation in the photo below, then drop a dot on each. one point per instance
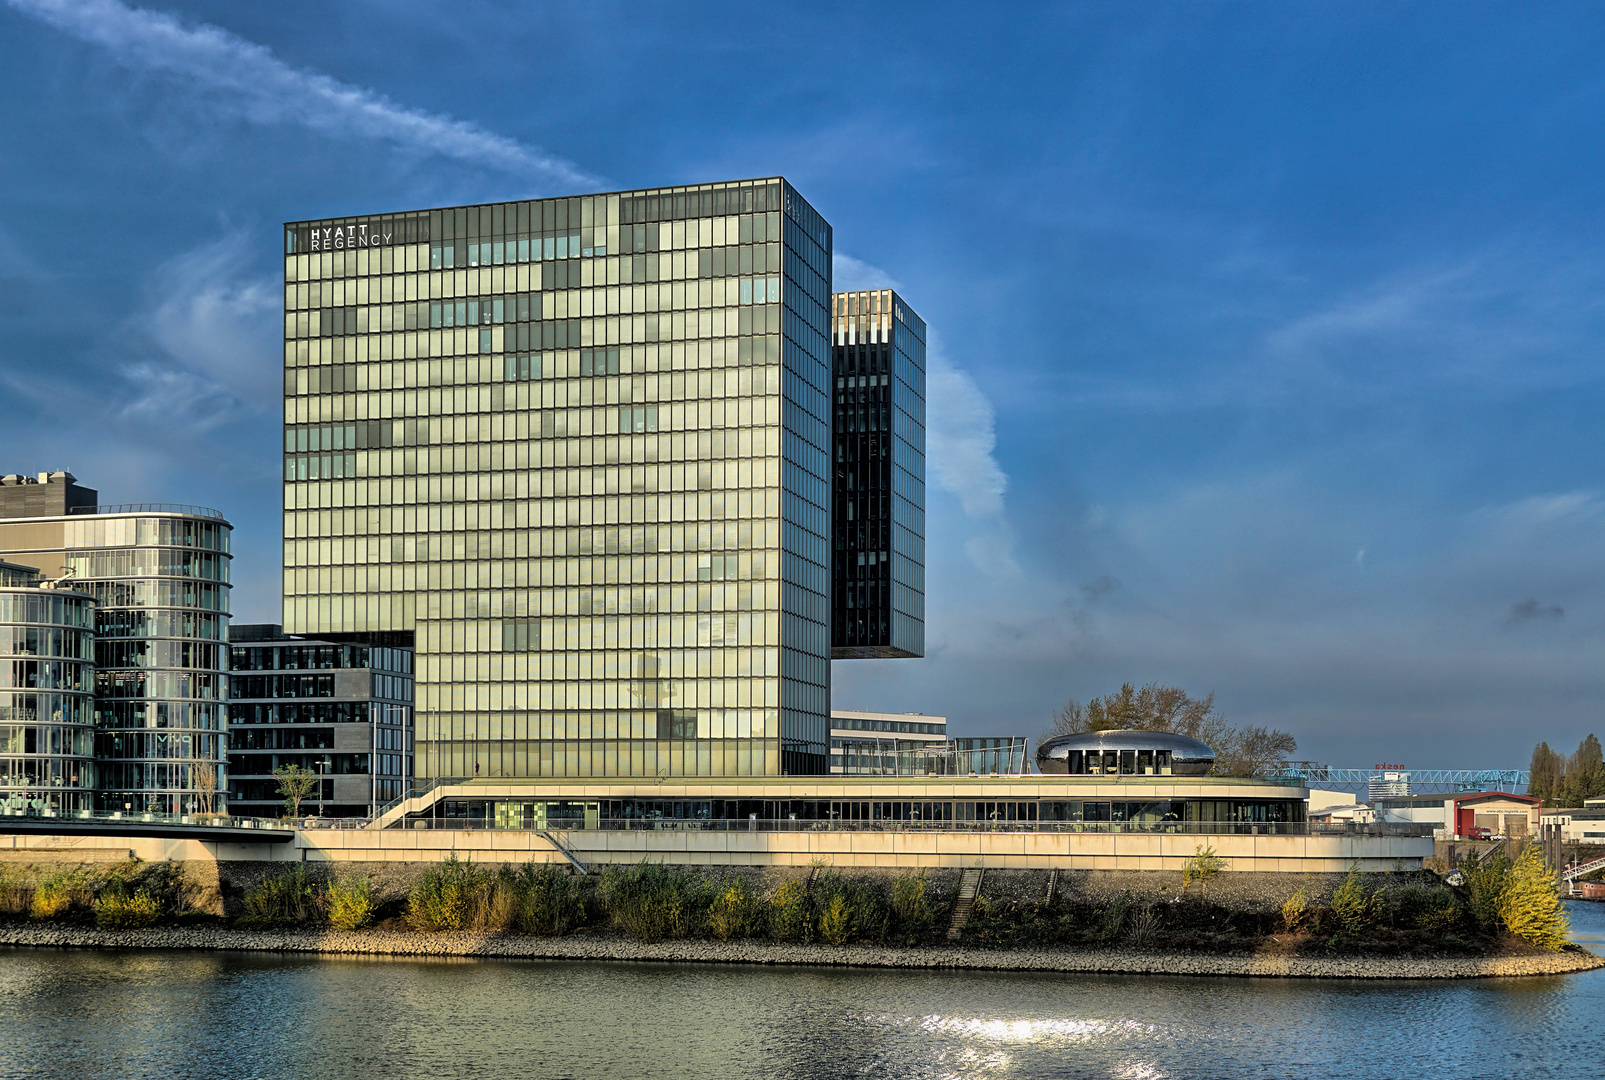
(1501, 917)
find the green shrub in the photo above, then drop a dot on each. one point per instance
(1295, 910)
(289, 898)
(735, 912)
(790, 913)
(494, 902)
(836, 920)
(350, 902)
(16, 892)
(1112, 920)
(1485, 884)
(652, 902)
(118, 910)
(1428, 907)
(1530, 905)
(1354, 907)
(1201, 866)
(551, 900)
(1142, 928)
(444, 897)
(57, 894)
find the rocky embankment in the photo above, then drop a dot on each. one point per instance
(377, 943)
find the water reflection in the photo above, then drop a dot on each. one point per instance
(134, 1015)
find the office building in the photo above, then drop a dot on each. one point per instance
(578, 450)
(340, 709)
(47, 696)
(866, 743)
(159, 575)
(878, 572)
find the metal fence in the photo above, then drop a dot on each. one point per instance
(1191, 828)
(136, 817)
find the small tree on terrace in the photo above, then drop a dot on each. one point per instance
(295, 784)
(205, 787)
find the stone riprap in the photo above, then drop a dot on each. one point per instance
(591, 946)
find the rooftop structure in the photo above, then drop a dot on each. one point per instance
(1125, 752)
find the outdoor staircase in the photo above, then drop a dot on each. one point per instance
(969, 889)
(1053, 885)
(1572, 873)
(562, 849)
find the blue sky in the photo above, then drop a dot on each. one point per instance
(1266, 337)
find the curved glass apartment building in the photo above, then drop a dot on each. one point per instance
(160, 577)
(47, 687)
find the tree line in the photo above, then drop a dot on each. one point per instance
(1567, 781)
(1250, 750)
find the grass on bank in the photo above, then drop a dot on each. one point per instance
(1501, 900)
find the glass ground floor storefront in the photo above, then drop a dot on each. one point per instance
(1224, 815)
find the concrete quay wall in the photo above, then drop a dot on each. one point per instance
(839, 848)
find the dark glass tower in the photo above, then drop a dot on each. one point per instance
(878, 571)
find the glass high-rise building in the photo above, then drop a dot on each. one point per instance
(159, 575)
(878, 368)
(47, 688)
(579, 449)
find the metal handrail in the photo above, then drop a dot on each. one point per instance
(417, 790)
(565, 825)
(151, 817)
(149, 508)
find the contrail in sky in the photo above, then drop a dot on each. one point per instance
(267, 90)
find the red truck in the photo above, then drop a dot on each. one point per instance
(1477, 832)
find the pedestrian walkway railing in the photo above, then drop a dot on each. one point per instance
(736, 825)
(139, 817)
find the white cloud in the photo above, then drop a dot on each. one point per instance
(216, 322)
(257, 85)
(849, 275)
(962, 436)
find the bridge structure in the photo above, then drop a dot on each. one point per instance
(1415, 781)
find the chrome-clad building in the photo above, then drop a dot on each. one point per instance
(878, 571)
(1125, 752)
(47, 687)
(578, 450)
(159, 574)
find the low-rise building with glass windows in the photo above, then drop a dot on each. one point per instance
(159, 574)
(47, 688)
(340, 709)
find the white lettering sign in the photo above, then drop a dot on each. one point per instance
(342, 237)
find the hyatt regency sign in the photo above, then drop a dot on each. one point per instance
(347, 236)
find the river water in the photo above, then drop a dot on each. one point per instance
(239, 1017)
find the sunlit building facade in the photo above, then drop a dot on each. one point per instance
(579, 449)
(159, 576)
(47, 696)
(878, 371)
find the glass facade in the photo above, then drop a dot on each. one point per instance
(878, 370)
(47, 686)
(1219, 816)
(160, 579)
(580, 448)
(339, 709)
